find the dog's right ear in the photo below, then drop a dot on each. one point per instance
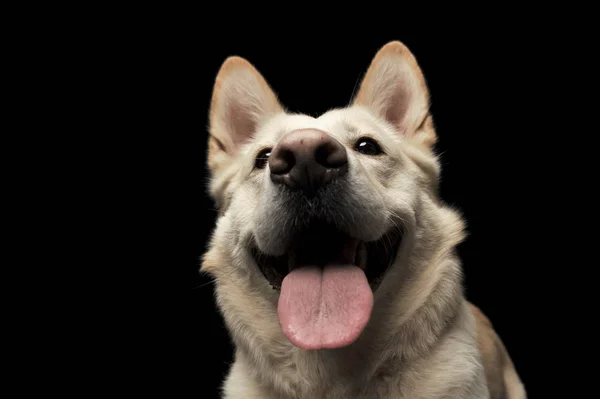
(241, 101)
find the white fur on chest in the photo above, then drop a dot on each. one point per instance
(452, 369)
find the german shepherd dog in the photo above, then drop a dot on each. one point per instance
(334, 258)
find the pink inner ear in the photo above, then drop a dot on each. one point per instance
(242, 125)
(397, 106)
(395, 92)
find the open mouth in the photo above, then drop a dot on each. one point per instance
(326, 281)
(321, 244)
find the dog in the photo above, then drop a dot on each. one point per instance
(333, 256)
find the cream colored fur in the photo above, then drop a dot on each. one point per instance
(424, 340)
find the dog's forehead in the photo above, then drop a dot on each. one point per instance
(337, 122)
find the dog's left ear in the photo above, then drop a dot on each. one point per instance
(394, 88)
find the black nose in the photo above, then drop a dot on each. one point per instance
(307, 160)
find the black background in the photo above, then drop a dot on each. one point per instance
(121, 95)
(486, 90)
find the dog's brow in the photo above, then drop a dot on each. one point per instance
(349, 127)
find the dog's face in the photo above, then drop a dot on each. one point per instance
(317, 208)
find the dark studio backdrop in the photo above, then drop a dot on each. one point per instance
(482, 107)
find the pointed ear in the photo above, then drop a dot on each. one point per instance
(394, 89)
(241, 101)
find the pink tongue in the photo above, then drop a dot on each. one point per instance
(326, 308)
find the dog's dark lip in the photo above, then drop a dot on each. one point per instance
(313, 246)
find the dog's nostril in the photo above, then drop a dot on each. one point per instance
(283, 161)
(331, 154)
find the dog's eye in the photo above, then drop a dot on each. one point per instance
(368, 146)
(262, 158)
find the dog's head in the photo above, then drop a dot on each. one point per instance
(317, 208)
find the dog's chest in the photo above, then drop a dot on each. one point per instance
(327, 377)
(380, 386)
(350, 380)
